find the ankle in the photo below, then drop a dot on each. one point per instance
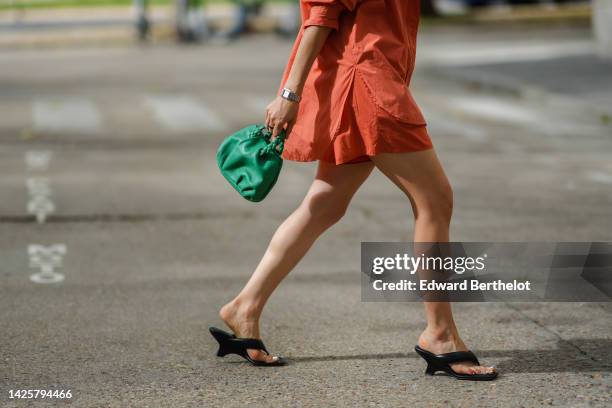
(440, 333)
(241, 309)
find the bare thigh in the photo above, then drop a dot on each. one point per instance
(421, 177)
(334, 187)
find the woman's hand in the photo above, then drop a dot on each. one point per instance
(281, 114)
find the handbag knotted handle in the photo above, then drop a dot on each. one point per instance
(277, 145)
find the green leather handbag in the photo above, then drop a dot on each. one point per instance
(251, 162)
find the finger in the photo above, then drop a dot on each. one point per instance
(267, 117)
(277, 128)
(272, 124)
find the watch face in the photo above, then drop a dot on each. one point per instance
(289, 95)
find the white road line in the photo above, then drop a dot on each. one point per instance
(182, 113)
(47, 259)
(438, 123)
(494, 109)
(499, 52)
(66, 114)
(600, 177)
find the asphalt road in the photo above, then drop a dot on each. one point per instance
(113, 149)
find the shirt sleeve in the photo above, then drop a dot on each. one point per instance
(326, 12)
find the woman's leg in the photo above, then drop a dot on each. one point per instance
(324, 204)
(421, 177)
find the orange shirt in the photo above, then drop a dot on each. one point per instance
(373, 43)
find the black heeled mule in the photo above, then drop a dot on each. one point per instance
(442, 362)
(230, 344)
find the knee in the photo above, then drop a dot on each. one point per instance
(439, 205)
(324, 209)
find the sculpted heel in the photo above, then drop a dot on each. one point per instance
(230, 344)
(223, 340)
(223, 351)
(430, 370)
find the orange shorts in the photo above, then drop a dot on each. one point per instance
(386, 135)
(364, 129)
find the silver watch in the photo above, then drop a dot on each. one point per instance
(289, 95)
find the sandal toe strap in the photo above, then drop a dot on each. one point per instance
(251, 344)
(457, 357)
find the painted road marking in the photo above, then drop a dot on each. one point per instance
(66, 114)
(182, 113)
(47, 259)
(38, 160)
(40, 203)
(500, 52)
(494, 109)
(447, 125)
(600, 177)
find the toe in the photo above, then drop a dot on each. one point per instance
(472, 369)
(481, 370)
(485, 370)
(259, 355)
(463, 368)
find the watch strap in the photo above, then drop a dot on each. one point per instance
(289, 95)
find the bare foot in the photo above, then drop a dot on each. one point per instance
(244, 326)
(447, 343)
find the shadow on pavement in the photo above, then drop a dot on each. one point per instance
(567, 357)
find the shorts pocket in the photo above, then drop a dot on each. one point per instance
(393, 96)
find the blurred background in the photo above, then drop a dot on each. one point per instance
(93, 21)
(119, 239)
